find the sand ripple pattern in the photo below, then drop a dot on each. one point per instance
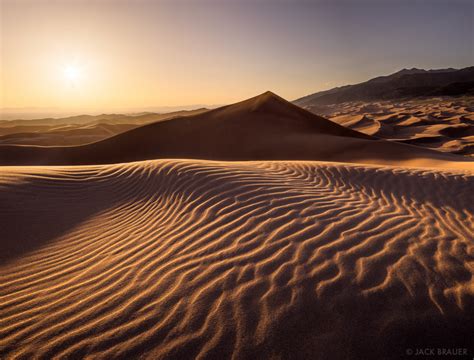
(198, 259)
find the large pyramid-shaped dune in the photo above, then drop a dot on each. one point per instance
(265, 127)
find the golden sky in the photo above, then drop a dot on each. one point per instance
(134, 54)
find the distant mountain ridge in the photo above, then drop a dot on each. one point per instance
(402, 84)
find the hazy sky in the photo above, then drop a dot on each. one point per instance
(105, 54)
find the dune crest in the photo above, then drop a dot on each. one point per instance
(192, 259)
(265, 127)
(442, 124)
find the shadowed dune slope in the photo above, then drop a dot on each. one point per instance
(262, 128)
(185, 259)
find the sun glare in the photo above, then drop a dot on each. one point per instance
(72, 73)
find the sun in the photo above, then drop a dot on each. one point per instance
(72, 73)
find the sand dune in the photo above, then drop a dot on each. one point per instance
(265, 127)
(143, 118)
(77, 130)
(67, 135)
(442, 124)
(183, 259)
(192, 259)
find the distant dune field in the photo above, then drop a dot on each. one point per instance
(442, 124)
(77, 130)
(192, 259)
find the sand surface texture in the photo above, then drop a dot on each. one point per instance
(443, 124)
(186, 258)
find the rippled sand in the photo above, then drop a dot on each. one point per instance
(200, 259)
(443, 124)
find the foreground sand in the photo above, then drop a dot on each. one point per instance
(189, 258)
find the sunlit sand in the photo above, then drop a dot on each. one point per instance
(197, 258)
(236, 180)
